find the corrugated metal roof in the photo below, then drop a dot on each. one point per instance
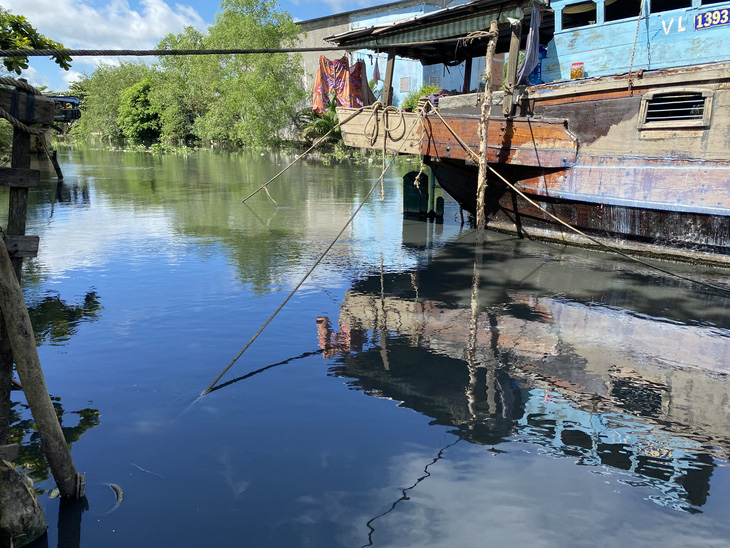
(443, 28)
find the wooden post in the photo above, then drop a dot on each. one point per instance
(28, 365)
(467, 75)
(18, 328)
(512, 63)
(483, 126)
(388, 83)
(18, 207)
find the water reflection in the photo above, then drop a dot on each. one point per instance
(23, 432)
(56, 321)
(553, 352)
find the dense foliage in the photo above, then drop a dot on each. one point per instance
(233, 99)
(410, 101)
(16, 32)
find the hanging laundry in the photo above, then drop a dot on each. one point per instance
(376, 72)
(344, 81)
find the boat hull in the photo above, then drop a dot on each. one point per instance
(605, 155)
(676, 233)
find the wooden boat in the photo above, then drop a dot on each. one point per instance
(632, 150)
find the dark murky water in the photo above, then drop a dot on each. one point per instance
(568, 398)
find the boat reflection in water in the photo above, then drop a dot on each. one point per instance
(585, 356)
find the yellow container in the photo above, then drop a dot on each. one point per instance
(576, 71)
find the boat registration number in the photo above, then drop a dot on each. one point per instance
(712, 18)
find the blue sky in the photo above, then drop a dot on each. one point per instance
(131, 24)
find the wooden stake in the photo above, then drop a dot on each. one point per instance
(18, 205)
(483, 126)
(28, 365)
(388, 83)
(512, 63)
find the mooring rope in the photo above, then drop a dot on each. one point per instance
(309, 272)
(296, 288)
(314, 145)
(576, 230)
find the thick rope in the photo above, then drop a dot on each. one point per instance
(314, 145)
(305, 277)
(174, 52)
(17, 124)
(25, 86)
(375, 108)
(576, 230)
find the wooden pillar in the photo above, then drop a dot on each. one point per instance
(483, 127)
(28, 365)
(18, 328)
(512, 63)
(388, 83)
(18, 206)
(467, 75)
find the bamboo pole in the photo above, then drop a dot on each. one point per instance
(28, 365)
(483, 126)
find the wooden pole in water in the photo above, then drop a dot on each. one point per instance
(28, 365)
(483, 127)
(19, 332)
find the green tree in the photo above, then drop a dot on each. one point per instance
(138, 119)
(251, 96)
(16, 32)
(101, 94)
(317, 126)
(181, 88)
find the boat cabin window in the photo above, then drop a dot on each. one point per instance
(579, 15)
(666, 5)
(705, 2)
(622, 9)
(678, 108)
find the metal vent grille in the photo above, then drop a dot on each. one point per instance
(676, 108)
(665, 107)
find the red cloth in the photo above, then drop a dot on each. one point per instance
(345, 81)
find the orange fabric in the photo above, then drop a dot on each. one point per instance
(346, 82)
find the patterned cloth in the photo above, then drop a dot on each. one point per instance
(346, 82)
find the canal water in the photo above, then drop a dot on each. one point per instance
(416, 391)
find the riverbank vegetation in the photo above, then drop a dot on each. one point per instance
(230, 100)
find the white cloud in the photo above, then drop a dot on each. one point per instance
(35, 78)
(70, 76)
(99, 24)
(115, 25)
